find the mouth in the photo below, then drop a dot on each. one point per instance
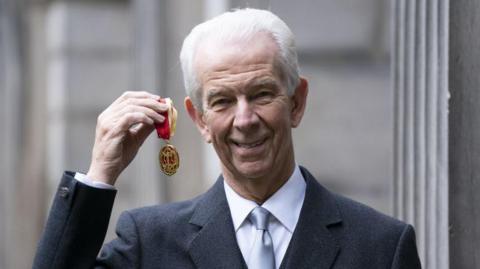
(249, 145)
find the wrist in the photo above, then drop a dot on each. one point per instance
(101, 176)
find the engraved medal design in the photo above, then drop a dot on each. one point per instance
(168, 157)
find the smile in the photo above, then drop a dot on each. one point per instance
(249, 145)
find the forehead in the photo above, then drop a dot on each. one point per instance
(235, 54)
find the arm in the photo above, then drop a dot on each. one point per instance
(76, 226)
(406, 255)
(79, 215)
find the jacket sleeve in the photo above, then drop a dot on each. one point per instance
(76, 226)
(406, 255)
(123, 251)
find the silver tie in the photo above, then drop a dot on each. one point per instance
(262, 255)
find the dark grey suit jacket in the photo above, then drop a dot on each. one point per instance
(332, 232)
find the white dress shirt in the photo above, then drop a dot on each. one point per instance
(88, 181)
(284, 205)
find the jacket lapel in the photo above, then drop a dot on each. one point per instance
(312, 244)
(215, 244)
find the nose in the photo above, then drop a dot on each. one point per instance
(245, 116)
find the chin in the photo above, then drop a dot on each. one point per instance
(253, 170)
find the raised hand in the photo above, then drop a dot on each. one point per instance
(121, 130)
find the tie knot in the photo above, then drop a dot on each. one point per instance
(259, 217)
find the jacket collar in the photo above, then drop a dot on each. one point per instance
(312, 244)
(215, 244)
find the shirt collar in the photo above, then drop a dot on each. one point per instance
(284, 205)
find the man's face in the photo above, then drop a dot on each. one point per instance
(247, 114)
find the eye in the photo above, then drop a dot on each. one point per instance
(220, 102)
(263, 95)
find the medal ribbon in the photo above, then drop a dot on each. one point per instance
(163, 129)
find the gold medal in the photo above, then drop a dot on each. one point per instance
(168, 157)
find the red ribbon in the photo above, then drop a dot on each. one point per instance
(163, 129)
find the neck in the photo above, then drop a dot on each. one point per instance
(261, 188)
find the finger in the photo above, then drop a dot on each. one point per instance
(134, 128)
(142, 131)
(129, 119)
(145, 102)
(137, 95)
(107, 119)
(155, 116)
(110, 116)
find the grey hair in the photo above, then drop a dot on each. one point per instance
(243, 24)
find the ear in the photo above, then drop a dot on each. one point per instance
(197, 118)
(299, 102)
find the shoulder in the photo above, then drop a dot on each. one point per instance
(174, 219)
(365, 219)
(352, 220)
(352, 214)
(167, 227)
(364, 231)
(165, 214)
(360, 213)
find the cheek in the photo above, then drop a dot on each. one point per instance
(218, 126)
(275, 116)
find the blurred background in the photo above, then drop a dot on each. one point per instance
(63, 62)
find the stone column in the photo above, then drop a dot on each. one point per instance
(464, 134)
(420, 84)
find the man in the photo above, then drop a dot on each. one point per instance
(264, 211)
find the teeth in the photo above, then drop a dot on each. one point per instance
(252, 145)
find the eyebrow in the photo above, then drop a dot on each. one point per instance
(262, 82)
(215, 92)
